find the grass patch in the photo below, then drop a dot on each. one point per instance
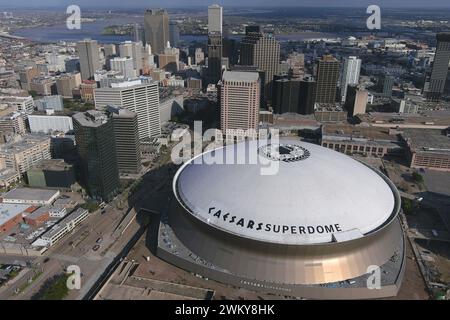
(54, 289)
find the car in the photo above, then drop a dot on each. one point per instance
(46, 260)
(96, 247)
(99, 240)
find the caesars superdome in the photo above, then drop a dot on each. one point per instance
(301, 220)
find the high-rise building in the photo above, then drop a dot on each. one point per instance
(285, 98)
(262, 76)
(141, 98)
(294, 95)
(327, 79)
(215, 19)
(252, 29)
(174, 34)
(72, 65)
(385, 85)
(199, 56)
(350, 74)
(356, 101)
(307, 98)
(296, 64)
(133, 50)
(26, 76)
(87, 88)
(214, 57)
(88, 52)
(66, 83)
(436, 83)
(239, 102)
(169, 60)
(156, 26)
(126, 135)
(215, 45)
(94, 135)
(263, 51)
(230, 50)
(138, 33)
(124, 65)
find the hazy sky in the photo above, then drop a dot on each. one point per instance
(189, 3)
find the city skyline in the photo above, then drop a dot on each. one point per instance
(104, 4)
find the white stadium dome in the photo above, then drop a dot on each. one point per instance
(287, 218)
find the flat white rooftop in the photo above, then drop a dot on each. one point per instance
(316, 193)
(10, 210)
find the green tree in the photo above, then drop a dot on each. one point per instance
(417, 177)
(407, 206)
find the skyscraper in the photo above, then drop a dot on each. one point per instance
(307, 98)
(327, 79)
(263, 51)
(214, 57)
(123, 65)
(141, 98)
(133, 50)
(285, 98)
(350, 74)
(239, 102)
(174, 34)
(126, 135)
(94, 135)
(385, 84)
(199, 56)
(156, 26)
(436, 83)
(294, 95)
(215, 18)
(215, 45)
(356, 101)
(89, 58)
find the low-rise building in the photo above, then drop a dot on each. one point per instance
(50, 102)
(62, 228)
(19, 103)
(49, 123)
(23, 153)
(428, 148)
(12, 122)
(11, 215)
(30, 196)
(429, 119)
(8, 177)
(43, 86)
(51, 173)
(368, 141)
(324, 112)
(37, 217)
(170, 107)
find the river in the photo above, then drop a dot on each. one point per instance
(94, 30)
